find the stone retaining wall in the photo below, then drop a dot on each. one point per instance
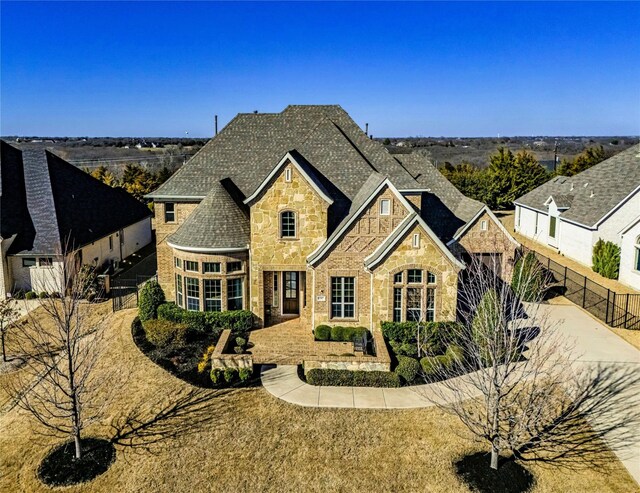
(380, 362)
(220, 358)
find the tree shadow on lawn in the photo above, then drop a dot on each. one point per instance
(510, 477)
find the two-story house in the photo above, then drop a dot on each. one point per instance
(300, 214)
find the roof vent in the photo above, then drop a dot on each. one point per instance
(591, 194)
(571, 187)
(586, 185)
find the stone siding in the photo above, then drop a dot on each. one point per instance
(493, 240)
(270, 252)
(429, 257)
(347, 259)
(222, 358)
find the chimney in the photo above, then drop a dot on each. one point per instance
(215, 118)
(366, 128)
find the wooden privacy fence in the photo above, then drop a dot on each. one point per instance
(614, 309)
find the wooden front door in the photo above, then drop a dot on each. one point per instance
(291, 297)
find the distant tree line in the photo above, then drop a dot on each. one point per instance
(136, 180)
(510, 175)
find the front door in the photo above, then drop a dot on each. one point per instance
(291, 299)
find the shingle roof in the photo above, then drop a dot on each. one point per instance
(596, 191)
(52, 205)
(337, 155)
(218, 222)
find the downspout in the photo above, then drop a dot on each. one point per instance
(370, 297)
(313, 299)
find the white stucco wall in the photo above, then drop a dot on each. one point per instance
(36, 278)
(528, 224)
(628, 273)
(136, 236)
(575, 242)
(610, 228)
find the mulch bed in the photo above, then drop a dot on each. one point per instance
(60, 467)
(510, 477)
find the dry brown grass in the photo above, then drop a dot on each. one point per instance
(258, 443)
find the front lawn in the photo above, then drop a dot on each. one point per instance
(246, 440)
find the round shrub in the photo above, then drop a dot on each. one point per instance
(162, 333)
(43, 295)
(30, 295)
(244, 374)
(216, 375)
(337, 333)
(407, 369)
(322, 333)
(229, 374)
(151, 297)
(454, 353)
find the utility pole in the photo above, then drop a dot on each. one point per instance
(555, 156)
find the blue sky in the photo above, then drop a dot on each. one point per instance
(429, 69)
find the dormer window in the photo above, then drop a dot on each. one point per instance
(287, 224)
(385, 207)
(287, 175)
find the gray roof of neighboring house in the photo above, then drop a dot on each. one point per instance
(335, 152)
(594, 193)
(217, 222)
(52, 206)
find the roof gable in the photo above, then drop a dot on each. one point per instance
(303, 168)
(485, 210)
(398, 235)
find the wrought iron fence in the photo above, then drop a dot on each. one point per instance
(614, 309)
(124, 292)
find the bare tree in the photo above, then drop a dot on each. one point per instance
(8, 314)
(516, 384)
(62, 348)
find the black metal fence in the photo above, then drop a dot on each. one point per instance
(124, 292)
(614, 309)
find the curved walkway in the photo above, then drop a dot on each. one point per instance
(283, 382)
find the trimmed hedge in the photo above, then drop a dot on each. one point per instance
(151, 297)
(407, 333)
(347, 378)
(338, 333)
(432, 364)
(229, 376)
(408, 369)
(239, 321)
(322, 333)
(162, 333)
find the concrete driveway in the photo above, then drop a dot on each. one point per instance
(596, 345)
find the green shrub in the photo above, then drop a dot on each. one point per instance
(399, 331)
(216, 375)
(238, 321)
(346, 378)
(30, 295)
(431, 365)
(337, 333)
(18, 294)
(229, 374)
(151, 297)
(606, 259)
(408, 368)
(241, 341)
(528, 278)
(454, 353)
(43, 295)
(322, 333)
(404, 348)
(244, 374)
(162, 333)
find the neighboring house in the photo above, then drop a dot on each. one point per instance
(570, 214)
(50, 208)
(630, 254)
(300, 214)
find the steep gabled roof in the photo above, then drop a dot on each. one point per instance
(59, 206)
(218, 224)
(398, 234)
(472, 221)
(595, 192)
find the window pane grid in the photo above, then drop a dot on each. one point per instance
(191, 266)
(193, 293)
(234, 266)
(234, 294)
(179, 299)
(414, 276)
(212, 295)
(288, 224)
(397, 304)
(342, 297)
(210, 267)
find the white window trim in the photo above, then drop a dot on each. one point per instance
(287, 175)
(382, 202)
(416, 240)
(295, 225)
(483, 225)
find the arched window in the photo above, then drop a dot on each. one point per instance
(287, 224)
(414, 296)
